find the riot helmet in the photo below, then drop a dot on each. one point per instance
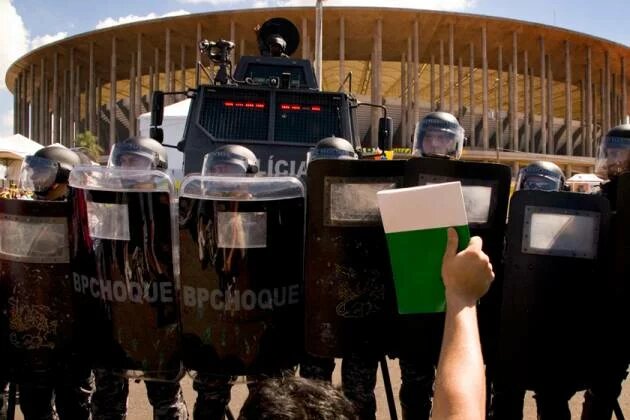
(331, 148)
(438, 134)
(542, 176)
(84, 155)
(48, 166)
(230, 159)
(614, 153)
(141, 153)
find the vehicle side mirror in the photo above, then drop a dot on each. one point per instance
(385, 133)
(157, 108)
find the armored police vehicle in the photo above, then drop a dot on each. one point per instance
(271, 104)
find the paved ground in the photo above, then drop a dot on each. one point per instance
(139, 408)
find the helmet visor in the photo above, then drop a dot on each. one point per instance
(329, 153)
(223, 162)
(438, 138)
(226, 168)
(38, 174)
(539, 183)
(614, 157)
(132, 156)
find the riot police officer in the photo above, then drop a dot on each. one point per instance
(213, 391)
(46, 172)
(230, 159)
(551, 402)
(601, 398)
(69, 385)
(541, 176)
(110, 398)
(358, 369)
(437, 135)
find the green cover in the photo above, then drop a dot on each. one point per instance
(416, 258)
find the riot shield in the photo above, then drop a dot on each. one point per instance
(486, 189)
(616, 278)
(551, 293)
(242, 242)
(348, 281)
(126, 270)
(36, 310)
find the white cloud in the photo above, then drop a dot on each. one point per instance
(407, 4)
(6, 123)
(259, 4)
(38, 41)
(212, 2)
(107, 22)
(15, 45)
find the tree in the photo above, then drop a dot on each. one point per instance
(90, 143)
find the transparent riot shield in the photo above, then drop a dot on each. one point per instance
(486, 189)
(36, 309)
(552, 291)
(126, 270)
(349, 289)
(242, 242)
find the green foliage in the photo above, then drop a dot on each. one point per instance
(90, 143)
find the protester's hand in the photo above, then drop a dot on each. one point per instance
(466, 275)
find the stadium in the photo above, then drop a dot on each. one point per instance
(523, 91)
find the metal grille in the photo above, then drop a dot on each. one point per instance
(236, 115)
(306, 118)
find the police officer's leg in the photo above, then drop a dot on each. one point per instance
(553, 403)
(213, 396)
(319, 368)
(36, 397)
(109, 401)
(416, 388)
(4, 398)
(167, 400)
(506, 403)
(600, 399)
(358, 379)
(73, 392)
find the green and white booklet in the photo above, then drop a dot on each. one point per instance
(416, 221)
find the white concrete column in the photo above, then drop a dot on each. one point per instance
(138, 93)
(451, 68)
(484, 57)
(543, 99)
(568, 99)
(471, 85)
(526, 115)
(112, 95)
(514, 111)
(403, 99)
(342, 50)
(441, 94)
(589, 103)
(416, 69)
(167, 63)
(376, 77)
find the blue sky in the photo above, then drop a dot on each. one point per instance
(30, 23)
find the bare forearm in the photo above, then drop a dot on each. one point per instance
(460, 382)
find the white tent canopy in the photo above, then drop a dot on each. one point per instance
(17, 146)
(592, 178)
(173, 126)
(13, 149)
